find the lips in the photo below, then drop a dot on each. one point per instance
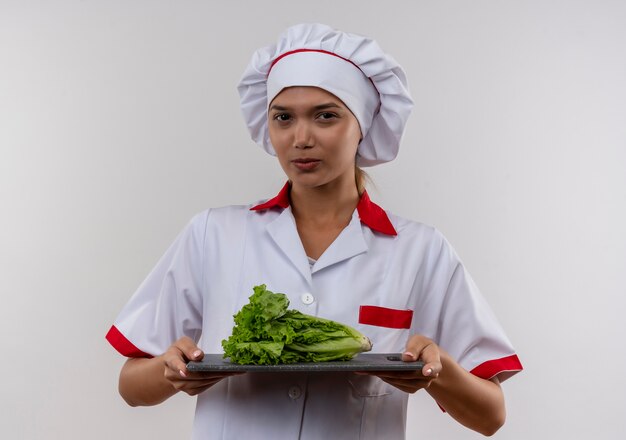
(306, 164)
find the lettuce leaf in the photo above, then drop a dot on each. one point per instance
(267, 332)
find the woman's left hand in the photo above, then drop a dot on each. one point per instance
(417, 348)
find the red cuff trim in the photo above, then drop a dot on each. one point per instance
(491, 368)
(123, 345)
(384, 317)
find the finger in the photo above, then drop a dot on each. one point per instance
(432, 369)
(190, 382)
(420, 347)
(432, 360)
(196, 385)
(400, 375)
(409, 356)
(199, 390)
(189, 349)
(182, 351)
(408, 386)
(415, 347)
(193, 388)
(175, 369)
(418, 382)
(175, 366)
(174, 375)
(430, 354)
(200, 376)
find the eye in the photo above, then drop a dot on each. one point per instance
(281, 117)
(326, 116)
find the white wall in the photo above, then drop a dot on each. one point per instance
(119, 120)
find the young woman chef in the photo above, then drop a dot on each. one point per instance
(324, 102)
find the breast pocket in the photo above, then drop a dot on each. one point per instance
(385, 317)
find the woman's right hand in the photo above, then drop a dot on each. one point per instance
(176, 357)
(150, 381)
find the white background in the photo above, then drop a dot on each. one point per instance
(119, 120)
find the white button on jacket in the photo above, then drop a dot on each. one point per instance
(404, 280)
(307, 298)
(295, 392)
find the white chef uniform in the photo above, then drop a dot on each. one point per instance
(384, 275)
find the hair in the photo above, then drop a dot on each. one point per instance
(361, 178)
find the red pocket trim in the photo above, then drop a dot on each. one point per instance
(384, 317)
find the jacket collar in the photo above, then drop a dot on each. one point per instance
(370, 214)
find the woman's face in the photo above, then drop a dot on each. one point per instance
(315, 136)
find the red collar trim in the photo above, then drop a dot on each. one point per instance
(374, 216)
(281, 200)
(369, 212)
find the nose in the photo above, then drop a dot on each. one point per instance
(303, 135)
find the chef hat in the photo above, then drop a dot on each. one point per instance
(353, 68)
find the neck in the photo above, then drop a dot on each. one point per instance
(333, 203)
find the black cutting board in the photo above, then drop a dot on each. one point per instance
(362, 362)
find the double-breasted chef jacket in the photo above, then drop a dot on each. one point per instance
(386, 276)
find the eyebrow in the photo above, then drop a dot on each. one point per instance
(324, 106)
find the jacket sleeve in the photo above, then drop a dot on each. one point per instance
(459, 319)
(168, 304)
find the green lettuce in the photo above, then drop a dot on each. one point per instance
(266, 332)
